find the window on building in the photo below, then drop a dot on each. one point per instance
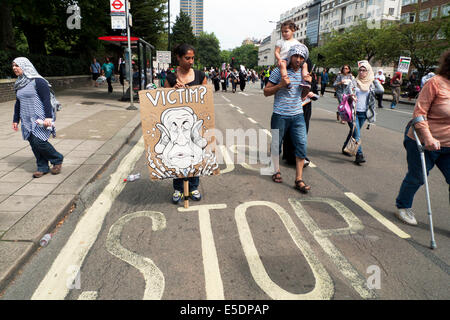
(424, 14)
(434, 12)
(423, 1)
(370, 2)
(412, 17)
(413, 1)
(445, 10)
(355, 18)
(356, 5)
(362, 4)
(404, 18)
(405, 2)
(361, 16)
(391, 11)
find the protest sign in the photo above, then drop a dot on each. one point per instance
(178, 129)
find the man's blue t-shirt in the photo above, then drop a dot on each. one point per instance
(108, 68)
(95, 67)
(288, 102)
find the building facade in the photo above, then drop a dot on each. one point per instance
(341, 14)
(194, 9)
(423, 10)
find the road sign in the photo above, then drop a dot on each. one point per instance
(117, 6)
(163, 57)
(118, 22)
(403, 64)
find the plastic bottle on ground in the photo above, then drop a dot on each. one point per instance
(132, 177)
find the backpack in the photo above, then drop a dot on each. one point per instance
(345, 108)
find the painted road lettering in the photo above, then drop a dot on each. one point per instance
(324, 288)
(322, 237)
(154, 278)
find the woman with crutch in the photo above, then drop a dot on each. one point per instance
(431, 121)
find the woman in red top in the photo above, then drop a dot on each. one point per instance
(432, 123)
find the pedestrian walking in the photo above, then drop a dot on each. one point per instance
(242, 78)
(183, 77)
(363, 94)
(108, 72)
(95, 71)
(396, 83)
(381, 79)
(234, 78)
(288, 147)
(431, 120)
(413, 85)
(215, 79)
(33, 106)
(288, 115)
(224, 79)
(323, 81)
(343, 79)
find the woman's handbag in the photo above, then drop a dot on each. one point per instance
(352, 145)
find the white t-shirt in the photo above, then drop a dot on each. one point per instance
(361, 103)
(285, 45)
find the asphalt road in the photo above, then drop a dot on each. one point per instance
(250, 238)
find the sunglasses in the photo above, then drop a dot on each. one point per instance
(362, 70)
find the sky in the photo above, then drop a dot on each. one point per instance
(232, 21)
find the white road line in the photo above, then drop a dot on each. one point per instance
(213, 279)
(268, 132)
(88, 295)
(410, 113)
(375, 214)
(53, 286)
(251, 120)
(240, 111)
(227, 100)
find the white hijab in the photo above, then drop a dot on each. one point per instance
(29, 73)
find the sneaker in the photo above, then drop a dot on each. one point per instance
(407, 216)
(359, 159)
(196, 195)
(307, 162)
(177, 197)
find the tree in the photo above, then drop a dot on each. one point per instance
(208, 52)
(182, 32)
(246, 55)
(6, 27)
(149, 18)
(424, 42)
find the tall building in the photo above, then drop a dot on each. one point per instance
(194, 9)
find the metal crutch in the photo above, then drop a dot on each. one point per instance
(425, 178)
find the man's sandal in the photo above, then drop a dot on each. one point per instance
(277, 178)
(303, 189)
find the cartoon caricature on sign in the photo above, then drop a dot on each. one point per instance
(177, 124)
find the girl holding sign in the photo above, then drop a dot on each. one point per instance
(184, 77)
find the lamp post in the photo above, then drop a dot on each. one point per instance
(168, 28)
(127, 17)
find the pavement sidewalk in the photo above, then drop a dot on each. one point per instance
(91, 128)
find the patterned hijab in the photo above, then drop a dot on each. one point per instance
(29, 73)
(365, 82)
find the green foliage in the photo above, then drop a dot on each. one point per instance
(225, 57)
(182, 33)
(47, 66)
(246, 55)
(208, 50)
(149, 19)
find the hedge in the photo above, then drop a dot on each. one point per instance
(47, 66)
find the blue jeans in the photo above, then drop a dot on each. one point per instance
(360, 119)
(44, 152)
(296, 127)
(414, 178)
(193, 184)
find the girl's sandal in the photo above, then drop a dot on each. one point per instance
(303, 189)
(277, 178)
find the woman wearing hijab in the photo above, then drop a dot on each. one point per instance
(396, 84)
(381, 79)
(32, 107)
(363, 93)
